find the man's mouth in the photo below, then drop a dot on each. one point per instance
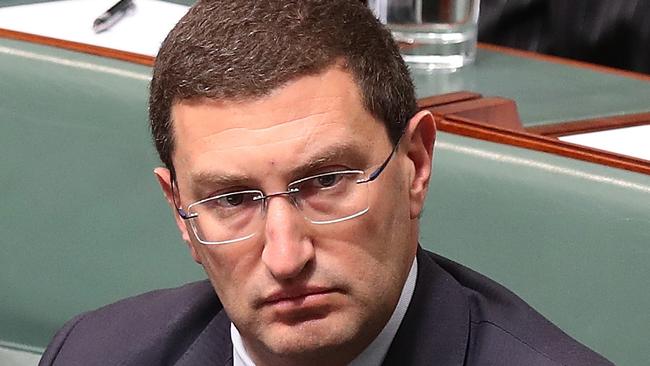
(290, 300)
(300, 305)
(296, 294)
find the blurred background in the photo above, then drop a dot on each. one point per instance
(608, 32)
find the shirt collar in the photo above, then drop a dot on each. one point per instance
(374, 354)
(239, 355)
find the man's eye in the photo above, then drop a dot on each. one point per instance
(235, 199)
(326, 181)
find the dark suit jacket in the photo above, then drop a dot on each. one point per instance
(456, 317)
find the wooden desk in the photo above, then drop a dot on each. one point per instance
(548, 90)
(539, 98)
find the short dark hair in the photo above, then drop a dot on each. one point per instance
(239, 49)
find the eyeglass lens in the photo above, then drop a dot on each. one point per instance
(323, 199)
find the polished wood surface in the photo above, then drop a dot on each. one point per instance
(495, 111)
(448, 98)
(495, 119)
(489, 132)
(79, 47)
(591, 125)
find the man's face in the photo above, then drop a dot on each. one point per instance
(298, 289)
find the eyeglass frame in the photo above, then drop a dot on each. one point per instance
(188, 216)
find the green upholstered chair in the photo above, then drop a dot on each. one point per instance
(83, 219)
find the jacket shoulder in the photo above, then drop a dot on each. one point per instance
(152, 328)
(504, 327)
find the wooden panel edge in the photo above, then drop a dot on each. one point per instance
(591, 125)
(496, 111)
(461, 126)
(563, 61)
(447, 98)
(78, 47)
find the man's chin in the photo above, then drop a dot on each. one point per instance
(307, 337)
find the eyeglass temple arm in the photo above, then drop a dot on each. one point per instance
(381, 168)
(182, 213)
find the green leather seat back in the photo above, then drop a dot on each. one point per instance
(84, 222)
(571, 238)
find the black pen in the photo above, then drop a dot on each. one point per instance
(112, 15)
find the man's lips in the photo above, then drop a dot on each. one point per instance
(296, 296)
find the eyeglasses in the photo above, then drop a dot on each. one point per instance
(325, 198)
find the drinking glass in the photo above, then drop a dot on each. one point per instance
(432, 34)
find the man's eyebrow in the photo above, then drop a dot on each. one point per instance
(338, 153)
(203, 180)
(342, 153)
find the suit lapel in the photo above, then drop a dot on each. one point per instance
(435, 328)
(212, 347)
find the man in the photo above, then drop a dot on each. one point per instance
(297, 165)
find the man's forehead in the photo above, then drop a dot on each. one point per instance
(221, 129)
(326, 103)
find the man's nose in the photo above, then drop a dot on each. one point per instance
(287, 248)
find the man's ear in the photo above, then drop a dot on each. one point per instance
(420, 136)
(163, 175)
